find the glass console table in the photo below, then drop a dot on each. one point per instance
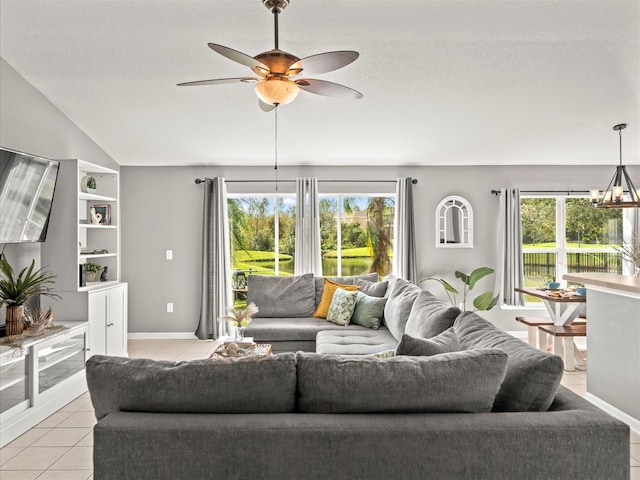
(41, 377)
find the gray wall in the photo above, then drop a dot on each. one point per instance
(162, 209)
(30, 123)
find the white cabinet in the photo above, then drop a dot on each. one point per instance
(107, 310)
(41, 377)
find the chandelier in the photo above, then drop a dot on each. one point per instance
(614, 195)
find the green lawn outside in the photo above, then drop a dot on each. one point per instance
(350, 253)
(258, 256)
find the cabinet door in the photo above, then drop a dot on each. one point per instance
(117, 321)
(98, 316)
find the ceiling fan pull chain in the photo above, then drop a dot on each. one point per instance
(276, 144)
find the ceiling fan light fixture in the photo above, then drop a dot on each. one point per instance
(276, 90)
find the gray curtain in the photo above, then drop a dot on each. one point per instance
(404, 252)
(216, 271)
(308, 253)
(510, 267)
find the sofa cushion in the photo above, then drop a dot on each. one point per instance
(446, 342)
(354, 340)
(373, 289)
(398, 307)
(430, 316)
(282, 296)
(329, 289)
(532, 377)
(368, 311)
(257, 384)
(453, 382)
(319, 282)
(342, 306)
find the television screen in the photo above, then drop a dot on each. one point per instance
(27, 185)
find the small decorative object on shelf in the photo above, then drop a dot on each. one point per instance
(96, 218)
(92, 270)
(88, 184)
(241, 317)
(103, 275)
(103, 212)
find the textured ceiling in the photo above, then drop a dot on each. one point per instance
(445, 82)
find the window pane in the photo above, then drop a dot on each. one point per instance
(328, 210)
(356, 255)
(538, 222)
(287, 234)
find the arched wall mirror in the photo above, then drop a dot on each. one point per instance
(454, 223)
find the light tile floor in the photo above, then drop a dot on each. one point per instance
(61, 446)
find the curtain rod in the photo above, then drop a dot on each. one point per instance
(413, 181)
(568, 192)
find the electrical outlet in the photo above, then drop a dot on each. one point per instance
(169, 307)
(168, 254)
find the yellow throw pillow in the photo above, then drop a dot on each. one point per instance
(328, 289)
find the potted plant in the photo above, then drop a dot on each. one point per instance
(92, 270)
(484, 301)
(15, 291)
(88, 184)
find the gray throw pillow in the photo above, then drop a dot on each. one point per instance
(532, 377)
(373, 289)
(453, 382)
(319, 282)
(446, 342)
(398, 307)
(430, 316)
(287, 297)
(257, 384)
(369, 311)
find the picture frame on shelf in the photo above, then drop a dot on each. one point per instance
(105, 211)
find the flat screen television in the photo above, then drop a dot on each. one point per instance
(27, 186)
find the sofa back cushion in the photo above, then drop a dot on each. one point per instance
(454, 382)
(258, 384)
(430, 316)
(446, 342)
(284, 297)
(319, 282)
(532, 377)
(398, 307)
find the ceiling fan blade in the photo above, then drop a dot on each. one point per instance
(325, 62)
(329, 89)
(218, 81)
(241, 58)
(265, 107)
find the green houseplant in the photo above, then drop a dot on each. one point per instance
(484, 301)
(16, 290)
(92, 270)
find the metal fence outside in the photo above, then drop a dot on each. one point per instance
(544, 264)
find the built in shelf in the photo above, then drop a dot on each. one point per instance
(94, 225)
(97, 285)
(98, 255)
(92, 197)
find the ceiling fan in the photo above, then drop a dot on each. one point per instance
(276, 69)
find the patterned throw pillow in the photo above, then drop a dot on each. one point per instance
(342, 306)
(327, 296)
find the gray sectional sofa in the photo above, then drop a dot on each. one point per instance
(460, 399)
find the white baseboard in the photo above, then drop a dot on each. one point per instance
(614, 412)
(162, 336)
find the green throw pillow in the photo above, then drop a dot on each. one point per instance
(446, 342)
(368, 311)
(342, 306)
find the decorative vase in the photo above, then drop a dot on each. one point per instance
(92, 276)
(15, 320)
(239, 336)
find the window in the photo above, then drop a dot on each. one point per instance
(356, 233)
(567, 235)
(262, 230)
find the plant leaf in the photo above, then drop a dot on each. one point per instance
(486, 301)
(477, 274)
(444, 283)
(462, 276)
